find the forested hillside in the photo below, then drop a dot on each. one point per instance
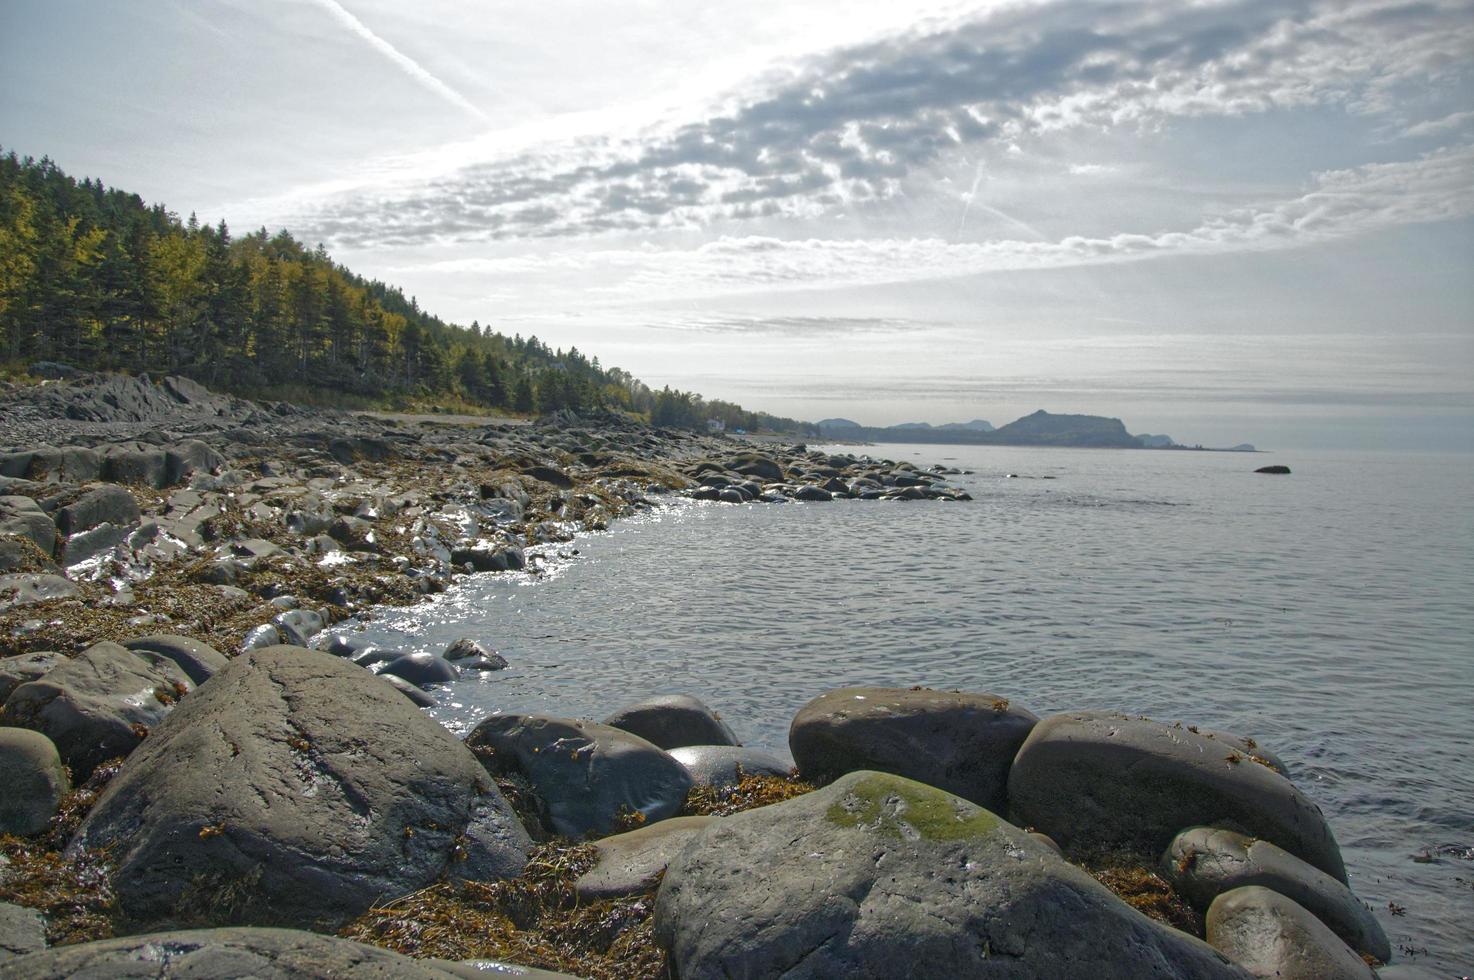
(92, 277)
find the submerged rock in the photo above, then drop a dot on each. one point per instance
(880, 876)
(422, 669)
(724, 765)
(590, 777)
(296, 788)
(1273, 937)
(1203, 863)
(1095, 778)
(960, 742)
(673, 720)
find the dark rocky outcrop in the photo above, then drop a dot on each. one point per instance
(99, 704)
(673, 720)
(589, 777)
(1278, 470)
(1095, 778)
(1273, 937)
(960, 742)
(879, 876)
(312, 790)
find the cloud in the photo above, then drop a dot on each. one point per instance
(410, 67)
(858, 124)
(1435, 187)
(1437, 127)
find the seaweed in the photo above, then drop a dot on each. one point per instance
(752, 791)
(1134, 880)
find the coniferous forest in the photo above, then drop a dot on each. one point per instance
(94, 278)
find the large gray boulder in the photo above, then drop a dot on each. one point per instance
(590, 777)
(960, 742)
(1203, 863)
(422, 669)
(29, 588)
(24, 667)
(1273, 937)
(107, 504)
(1095, 778)
(634, 861)
(99, 704)
(723, 766)
(300, 789)
(673, 720)
(198, 660)
(23, 517)
(225, 954)
(34, 781)
(880, 876)
(22, 931)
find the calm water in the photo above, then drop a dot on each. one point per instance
(1328, 614)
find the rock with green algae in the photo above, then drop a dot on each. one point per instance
(876, 874)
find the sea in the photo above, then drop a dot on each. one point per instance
(1329, 614)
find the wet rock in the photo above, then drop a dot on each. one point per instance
(369, 656)
(1278, 470)
(1098, 778)
(107, 504)
(758, 465)
(23, 517)
(312, 790)
(1203, 863)
(1272, 936)
(422, 669)
(260, 637)
(99, 704)
(724, 765)
(22, 931)
(416, 696)
(94, 541)
(34, 780)
(217, 954)
(673, 720)
(633, 862)
(497, 968)
(810, 492)
(875, 875)
(467, 654)
(961, 742)
(198, 660)
(24, 667)
(298, 625)
(549, 474)
(588, 776)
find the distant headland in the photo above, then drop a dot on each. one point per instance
(1039, 429)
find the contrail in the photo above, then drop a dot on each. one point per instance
(410, 66)
(977, 178)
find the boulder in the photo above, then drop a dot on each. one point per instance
(756, 464)
(1272, 936)
(99, 704)
(416, 696)
(1278, 470)
(810, 492)
(960, 742)
(311, 790)
(217, 954)
(1095, 778)
(138, 467)
(24, 518)
(107, 504)
(880, 876)
(188, 457)
(468, 649)
(22, 931)
(24, 667)
(69, 464)
(34, 781)
(28, 588)
(94, 541)
(723, 765)
(20, 554)
(422, 669)
(633, 862)
(589, 777)
(673, 720)
(261, 637)
(196, 659)
(1203, 863)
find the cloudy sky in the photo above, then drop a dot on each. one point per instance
(1226, 221)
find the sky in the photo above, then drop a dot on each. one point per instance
(1224, 221)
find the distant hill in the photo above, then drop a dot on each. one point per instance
(1044, 429)
(976, 425)
(837, 424)
(1156, 442)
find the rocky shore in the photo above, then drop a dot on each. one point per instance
(204, 777)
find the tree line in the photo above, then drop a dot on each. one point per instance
(92, 277)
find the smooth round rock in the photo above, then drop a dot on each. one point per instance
(961, 742)
(589, 776)
(633, 862)
(225, 954)
(1095, 778)
(1203, 863)
(723, 766)
(34, 781)
(422, 669)
(1272, 936)
(416, 696)
(304, 787)
(673, 720)
(470, 655)
(25, 667)
(99, 704)
(196, 659)
(876, 876)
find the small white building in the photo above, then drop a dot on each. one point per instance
(715, 425)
